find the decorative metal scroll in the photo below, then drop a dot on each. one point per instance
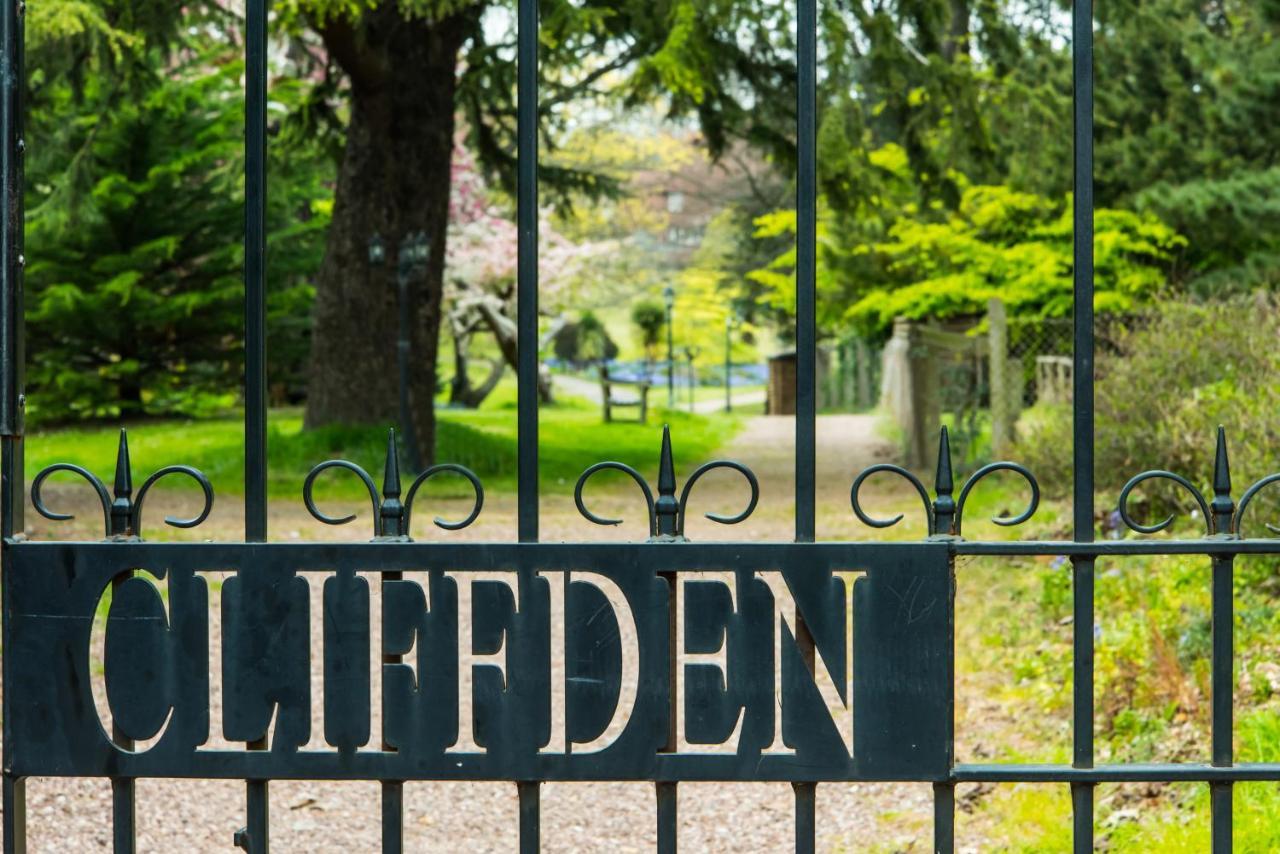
(1222, 516)
(667, 513)
(391, 516)
(121, 509)
(944, 513)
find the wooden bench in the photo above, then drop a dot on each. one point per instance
(608, 388)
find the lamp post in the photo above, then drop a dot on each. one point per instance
(730, 322)
(691, 354)
(669, 297)
(411, 264)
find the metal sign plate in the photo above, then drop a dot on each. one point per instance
(578, 661)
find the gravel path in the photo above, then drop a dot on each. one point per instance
(74, 815)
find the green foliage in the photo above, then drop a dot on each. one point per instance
(1152, 688)
(1018, 247)
(1187, 117)
(135, 217)
(594, 343)
(998, 243)
(1172, 381)
(649, 317)
(584, 341)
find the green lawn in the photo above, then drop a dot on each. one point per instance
(572, 437)
(711, 392)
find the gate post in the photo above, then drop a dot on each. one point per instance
(998, 354)
(910, 390)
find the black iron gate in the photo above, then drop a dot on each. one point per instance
(803, 662)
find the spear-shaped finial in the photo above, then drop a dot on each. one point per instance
(667, 512)
(1222, 506)
(667, 506)
(944, 505)
(391, 472)
(392, 512)
(122, 505)
(122, 511)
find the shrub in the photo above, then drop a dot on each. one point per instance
(1162, 394)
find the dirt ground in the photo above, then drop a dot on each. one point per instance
(73, 815)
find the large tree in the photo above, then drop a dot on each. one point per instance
(134, 201)
(409, 69)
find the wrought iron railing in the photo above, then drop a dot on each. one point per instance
(899, 708)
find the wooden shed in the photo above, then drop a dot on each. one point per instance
(780, 396)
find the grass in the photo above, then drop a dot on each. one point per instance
(1152, 635)
(572, 437)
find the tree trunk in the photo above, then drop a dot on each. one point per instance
(461, 391)
(957, 38)
(505, 332)
(393, 181)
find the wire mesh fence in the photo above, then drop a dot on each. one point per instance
(1039, 353)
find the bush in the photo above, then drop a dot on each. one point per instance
(584, 342)
(1162, 394)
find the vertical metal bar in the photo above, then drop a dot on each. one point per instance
(15, 814)
(527, 265)
(668, 793)
(1082, 368)
(1082, 376)
(1220, 794)
(944, 818)
(1082, 818)
(392, 790)
(668, 817)
(392, 817)
(12, 339)
(257, 793)
(12, 363)
(1082, 665)
(1083, 444)
(255, 838)
(527, 328)
(124, 812)
(1220, 811)
(1223, 653)
(124, 817)
(255, 274)
(806, 817)
(1082, 706)
(806, 794)
(530, 816)
(12, 366)
(806, 265)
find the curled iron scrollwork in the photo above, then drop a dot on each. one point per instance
(391, 514)
(1248, 496)
(121, 508)
(1222, 516)
(1160, 474)
(667, 512)
(944, 514)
